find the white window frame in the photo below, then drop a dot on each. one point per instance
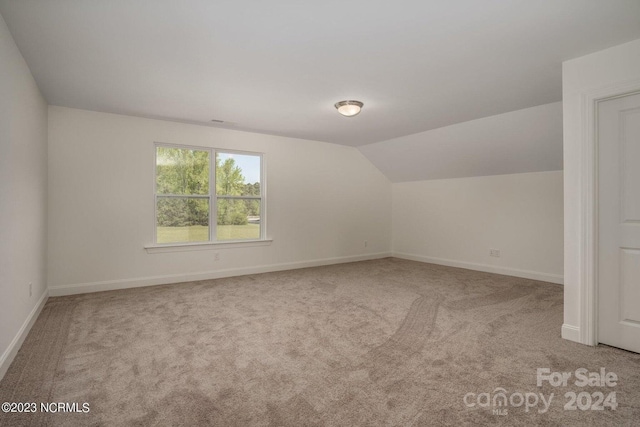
(213, 204)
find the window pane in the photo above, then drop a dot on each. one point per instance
(182, 219)
(238, 219)
(237, 174)
(182, 171)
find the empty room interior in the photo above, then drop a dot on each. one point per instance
(330, 213)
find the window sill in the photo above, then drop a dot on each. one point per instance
(186, 247)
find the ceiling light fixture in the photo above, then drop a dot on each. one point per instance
(349, 108)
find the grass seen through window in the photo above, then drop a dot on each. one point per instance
(199, 233)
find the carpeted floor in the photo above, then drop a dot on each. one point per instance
(376, 343)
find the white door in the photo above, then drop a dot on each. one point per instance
(619, 222)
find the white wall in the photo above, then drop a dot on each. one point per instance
(604, 71)
(324, 201)
(456, 221)
(23, 202)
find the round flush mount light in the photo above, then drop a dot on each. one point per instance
(349, 108)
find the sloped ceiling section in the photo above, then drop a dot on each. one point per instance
(278, 67)
(528, 140)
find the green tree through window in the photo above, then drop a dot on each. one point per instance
(184, 196)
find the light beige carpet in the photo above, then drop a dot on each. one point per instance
(377, 343)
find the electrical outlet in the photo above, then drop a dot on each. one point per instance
(216, 256)
(30, 288)
(494, 253)
(366, 243)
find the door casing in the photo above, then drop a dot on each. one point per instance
(589, 205)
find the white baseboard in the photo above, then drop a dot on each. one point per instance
(11, 351)
(82, 288)
(571, 333)
(534, 275)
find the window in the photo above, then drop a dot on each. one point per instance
(200, 200)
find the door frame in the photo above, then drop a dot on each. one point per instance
(589, 204)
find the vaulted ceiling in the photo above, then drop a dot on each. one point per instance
(277, 67)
